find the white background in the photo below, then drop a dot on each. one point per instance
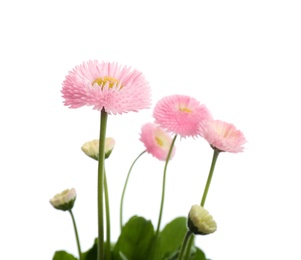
(242, 59)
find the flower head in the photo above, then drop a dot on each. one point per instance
(223, 136)
(64, 200)
(91, 148)
(200, 221)
(107, 86)
(180, 115)
(156, 141)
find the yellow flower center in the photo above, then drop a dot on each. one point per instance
(159, 141)
(102, 82)
(185, 110)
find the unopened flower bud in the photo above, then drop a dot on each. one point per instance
(109, 146)
(91, 148)
(200, 221)
(64, 200)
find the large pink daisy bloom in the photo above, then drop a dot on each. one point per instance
(180, 115)
(223, 136)
(156, 141)
(107, 86)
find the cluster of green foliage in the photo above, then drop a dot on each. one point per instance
(138, 241)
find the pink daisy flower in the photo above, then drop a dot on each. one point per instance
(223, 136)
(108, 86)
(156, 141)
(180, 115)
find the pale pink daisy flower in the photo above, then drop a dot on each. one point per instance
(180, 115)
(156, 141)
(223, 136)
(108, 86)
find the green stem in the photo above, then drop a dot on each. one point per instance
(76, 235)
(182, 251)
(124, 188)
(102, 139)
(214, 158)
(163, 185)
(108, 223)
(189, 245)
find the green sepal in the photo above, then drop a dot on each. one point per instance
(66, 206)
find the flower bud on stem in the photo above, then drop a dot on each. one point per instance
(190, 232)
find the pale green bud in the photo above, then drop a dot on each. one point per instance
(91, 148)
(64, 200)
(200, 221)
(109, 146)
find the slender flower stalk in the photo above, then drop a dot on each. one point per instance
(188, 240)
(101, 173)
(124, 189)
(76, 235)
(108, 222)
(163, 185)
(186, 245)
(189, 245)
(214, 159)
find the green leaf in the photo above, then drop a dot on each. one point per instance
(122, 256)
(198, 255)
(135, 240)
(63, 255)
(91, 254)
(171, 238)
